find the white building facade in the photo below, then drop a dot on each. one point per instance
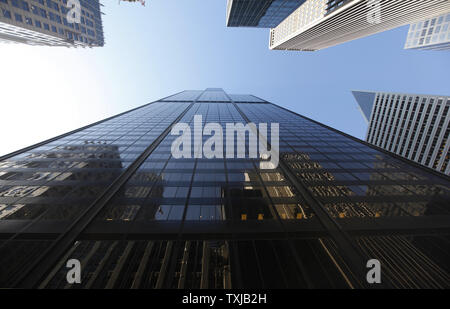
(319, 24)
(416, 127)
(430, 34)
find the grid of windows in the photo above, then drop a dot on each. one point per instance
(304, 16)
(56, 30)
(331, 203)
(328, 29)
(413, 126)
(433, 33)
(333, 5)
(259, 13)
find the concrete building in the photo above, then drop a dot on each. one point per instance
(39, 22)
(430, 34)
(319, 24)
(415, 127)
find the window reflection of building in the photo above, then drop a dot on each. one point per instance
(320, 174)
(391, 250)
(147, 210)
(146, 264)
(69, 164)
(376, 187)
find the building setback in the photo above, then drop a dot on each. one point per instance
(259, 13)
(415, 127)
(430, 34)
(112, 196)
(319, 24)
(44, 22)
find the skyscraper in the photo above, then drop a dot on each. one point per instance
(40, 22)
(259, 13)
(114, 196)
(319, 24)
(430, 34)
(416, 127)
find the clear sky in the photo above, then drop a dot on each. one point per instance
(173, 45)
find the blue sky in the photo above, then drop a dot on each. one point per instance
(173, 45)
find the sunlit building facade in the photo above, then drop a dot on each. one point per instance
(259, 13)
(45, 23)
(430, 34)
(319, 24)
(416, 127)
(112, 196)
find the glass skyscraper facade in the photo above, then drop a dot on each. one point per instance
(259, 13)
(112, 196)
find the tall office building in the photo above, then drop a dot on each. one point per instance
(319, 24)
(259, 13)
(416, 127)
(430, 34)
(44, 22)
(112, 196)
